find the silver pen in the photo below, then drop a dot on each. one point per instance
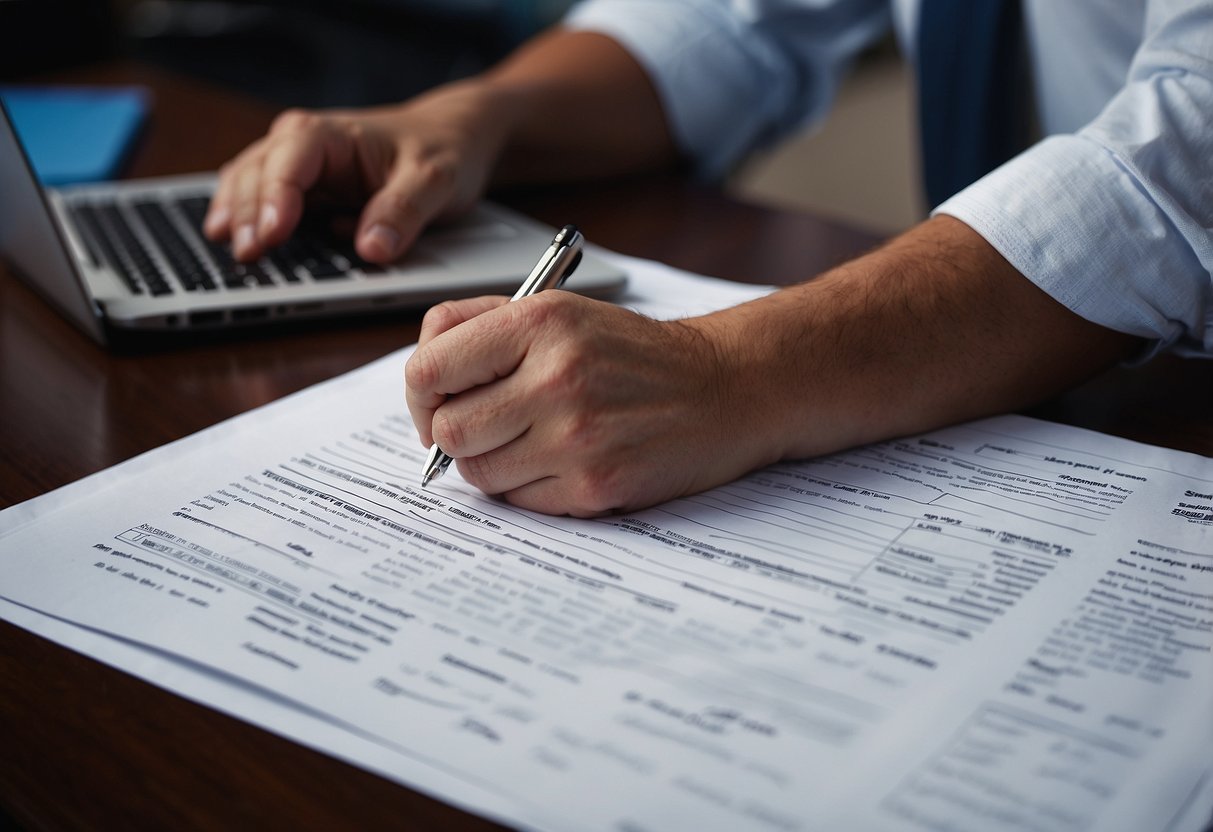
(553, 268)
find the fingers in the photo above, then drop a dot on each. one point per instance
(244, 209)
(532, 472)
(260, 195)
(218, 222)
(553, 495)
(291, 168)
(507, 389)
(482, 348)
(450, 314)
(425, 386)
(485, 419)
(412, 162)
(418, 189)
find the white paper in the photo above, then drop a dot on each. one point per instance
(1003, 625)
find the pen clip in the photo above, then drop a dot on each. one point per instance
(555, 265)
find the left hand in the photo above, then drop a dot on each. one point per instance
(409, 163)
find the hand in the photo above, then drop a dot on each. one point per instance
(566, 105)
(410, 164)
(567, 405)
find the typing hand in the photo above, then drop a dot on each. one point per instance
(410, 164)
(567, 405)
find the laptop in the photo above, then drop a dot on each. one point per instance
(128, 257)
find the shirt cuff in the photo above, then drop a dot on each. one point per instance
(1079, 226)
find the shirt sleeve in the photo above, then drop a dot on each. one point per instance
(734, 75)
(1116, 221)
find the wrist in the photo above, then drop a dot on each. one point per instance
(932, 329)
(749, 382)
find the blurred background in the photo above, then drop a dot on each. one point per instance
(312, 53)
(860, 167)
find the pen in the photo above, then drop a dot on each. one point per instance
(553, 268)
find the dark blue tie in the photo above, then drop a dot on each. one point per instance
(972, 102)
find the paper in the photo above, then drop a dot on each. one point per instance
(1004, 625)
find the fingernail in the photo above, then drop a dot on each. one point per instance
(382, 238)
(268, 220)
(245, 238)
(217, 219)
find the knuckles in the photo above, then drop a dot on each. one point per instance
(436, 172)
(448, 432)
(441, 317)
(420, 371)
(596, 491)
(480, 472)
(293, 120)
(576, 347)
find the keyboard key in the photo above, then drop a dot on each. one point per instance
(308, 255)
(86, 216)
(245, 275)
(234, 275)
(182, 259)
(134, 263)
(285, 266)
(85, 224)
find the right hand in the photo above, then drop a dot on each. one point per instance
(411, 163)
(567, 405)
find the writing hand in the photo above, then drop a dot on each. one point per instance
(567, 405)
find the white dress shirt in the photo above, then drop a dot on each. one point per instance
(1111, 214)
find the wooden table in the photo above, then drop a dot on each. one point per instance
(82, 745)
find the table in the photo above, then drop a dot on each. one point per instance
(86, 746)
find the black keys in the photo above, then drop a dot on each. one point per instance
(244, 275)
(194, 208)
(90, 225)
(182, 259)
(234, 275)
(311, 254)
(306, 257)
(285, 265)
(85, 221)
(197, 262)
(131, 260)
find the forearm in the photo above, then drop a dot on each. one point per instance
(574, 105)
(932, 329)
(568, 405)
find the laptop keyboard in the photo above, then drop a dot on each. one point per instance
(164, 250)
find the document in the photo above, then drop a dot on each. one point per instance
(1005, 625)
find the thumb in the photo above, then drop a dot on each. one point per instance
(416, 192)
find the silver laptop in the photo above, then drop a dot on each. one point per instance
(130, 256)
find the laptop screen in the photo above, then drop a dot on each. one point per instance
(30, 240)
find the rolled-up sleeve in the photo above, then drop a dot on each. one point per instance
(1116, 221)
(734, 75)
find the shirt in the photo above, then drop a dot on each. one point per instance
(1111, 214)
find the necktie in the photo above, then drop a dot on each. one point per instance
(971, 93)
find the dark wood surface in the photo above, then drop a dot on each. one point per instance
(85, 746)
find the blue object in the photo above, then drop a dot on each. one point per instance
(972, 90)
(76, 134)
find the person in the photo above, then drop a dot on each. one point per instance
(1089, 248)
